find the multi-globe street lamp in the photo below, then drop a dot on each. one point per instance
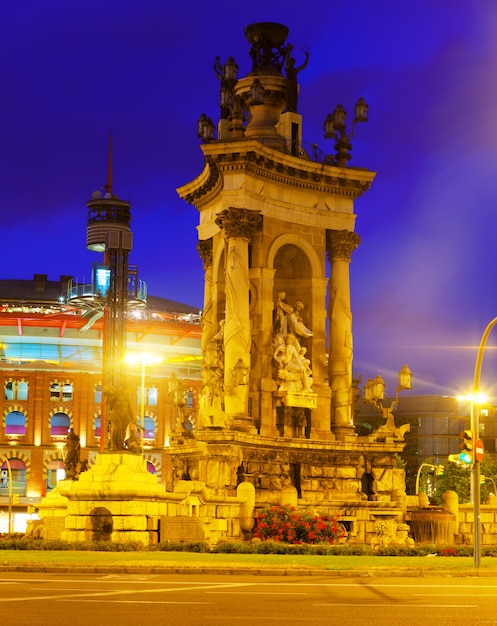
(374, 393)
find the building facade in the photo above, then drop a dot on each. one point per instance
(51, 376)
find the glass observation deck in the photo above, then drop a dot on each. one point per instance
(94, 295)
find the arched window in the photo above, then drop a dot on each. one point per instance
(9, 390)
(139, 395)
(18, 470)
(67, 392)
(16, 390)
(60, 391)
(22, 390)
(55, 472)
(55, 391)
(151, 468)
(98, 425)
(15, 423)
(59, 424)
(149, 424)
(152, 396)
(190, 398)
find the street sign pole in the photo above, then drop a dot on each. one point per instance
(475, 427)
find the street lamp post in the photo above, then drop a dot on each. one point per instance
(484, 479)
(475, 427)
(9, 471)
(438, 468)
(143, 359)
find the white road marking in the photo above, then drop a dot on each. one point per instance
(395, 605)
(102, 594)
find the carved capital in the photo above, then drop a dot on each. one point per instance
(239, 223)
(204, 249)
(340, 244)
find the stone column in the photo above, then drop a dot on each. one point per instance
(339, 245)
(204, 249)
(239, 225)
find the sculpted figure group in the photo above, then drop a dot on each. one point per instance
(292, 367)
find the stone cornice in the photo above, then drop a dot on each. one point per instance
(208, 183)
(258, 442)
(252, 157)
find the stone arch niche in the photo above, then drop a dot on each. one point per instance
(299, 272)
(99, 525)
(292, 277)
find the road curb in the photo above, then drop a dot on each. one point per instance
(247, 571)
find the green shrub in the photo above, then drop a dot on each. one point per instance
(181, 546)
(233, 547)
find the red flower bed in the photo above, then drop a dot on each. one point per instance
(288, 525)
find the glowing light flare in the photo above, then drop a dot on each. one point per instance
(477, 398)
(143, 359)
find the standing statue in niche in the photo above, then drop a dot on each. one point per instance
(282, 309)
(292, 87)
(292, 367)
(73, 449)
(296, 324)
(289, 319)
(121, 417)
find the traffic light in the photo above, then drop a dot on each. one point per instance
(440, 470)
(15, 498)
(454, 458)
(465, 457)
(467, 446)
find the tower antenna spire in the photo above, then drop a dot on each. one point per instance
(108, 186)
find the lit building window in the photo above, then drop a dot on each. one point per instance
(55, 472)
(59, 424)
(149, 424)
(15, 423)
(18, 472)
(60, 391)
(16, 390)
(55, 391)
(67, 392)
(22, 390)
(152, 396)
(9, 391)
(190, 399)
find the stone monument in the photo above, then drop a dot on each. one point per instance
(274, 423)
(276, 236)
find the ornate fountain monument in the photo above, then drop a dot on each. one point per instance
(274, 423)
(276, 218)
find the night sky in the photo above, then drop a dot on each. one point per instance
(424, 277)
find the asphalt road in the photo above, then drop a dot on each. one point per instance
(36, 599)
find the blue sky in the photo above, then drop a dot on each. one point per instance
(423, 279)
